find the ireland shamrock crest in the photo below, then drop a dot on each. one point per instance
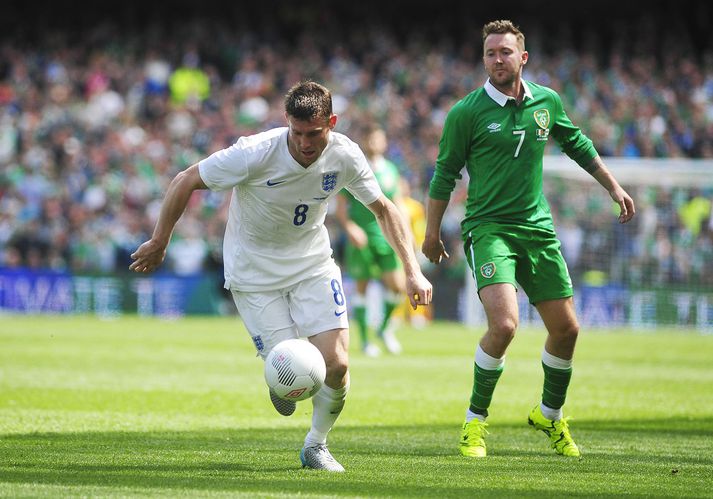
(487, 270)
(542, 118)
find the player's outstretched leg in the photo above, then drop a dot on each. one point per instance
(557, 430)
(284, 407)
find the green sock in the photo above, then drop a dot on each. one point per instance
(554, 390)
(484, 382)
(360, 318)
(389, 307)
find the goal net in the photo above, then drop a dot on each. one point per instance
(656, 270)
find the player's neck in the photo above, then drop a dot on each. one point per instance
(516, 90)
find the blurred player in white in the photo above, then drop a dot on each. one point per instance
(277, 254)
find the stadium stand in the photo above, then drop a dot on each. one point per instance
(99, 111)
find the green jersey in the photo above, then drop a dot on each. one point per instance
(502, 145)
(387, 175)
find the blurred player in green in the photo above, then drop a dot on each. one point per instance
(368, 254)
(499, 133)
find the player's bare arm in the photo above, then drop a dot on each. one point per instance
(602, 174)
(433, 246)
(152, 253)
(400, 204)
(356, 234)
(418, 288)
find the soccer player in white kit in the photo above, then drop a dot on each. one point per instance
(277, 255)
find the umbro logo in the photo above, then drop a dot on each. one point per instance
(270, 183)
(494, 127)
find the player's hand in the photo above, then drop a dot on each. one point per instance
(626, 204)
(419, 290)
(148, 256)
(434, 249)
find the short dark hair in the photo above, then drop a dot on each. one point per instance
(501, 27)
(308, 100)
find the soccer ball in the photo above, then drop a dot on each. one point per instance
(295, 370)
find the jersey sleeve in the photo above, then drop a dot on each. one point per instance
(226, 168)
(453, 151)
(570, 138)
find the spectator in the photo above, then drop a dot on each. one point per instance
(91, 129)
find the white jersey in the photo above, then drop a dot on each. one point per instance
(275, 236)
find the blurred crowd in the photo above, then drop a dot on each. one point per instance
(670, 241)
(93, 130)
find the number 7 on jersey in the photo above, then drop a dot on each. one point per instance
(521, 133)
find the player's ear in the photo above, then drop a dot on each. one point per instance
(525, 56)
(332, 121)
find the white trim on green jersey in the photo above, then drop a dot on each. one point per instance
(500, 97)
(275, 235)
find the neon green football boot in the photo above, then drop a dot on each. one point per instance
(472, 443)
(558, 431)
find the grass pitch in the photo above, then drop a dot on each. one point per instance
(145, 407)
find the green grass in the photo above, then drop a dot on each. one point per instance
(143, 407)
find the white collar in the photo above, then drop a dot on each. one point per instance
(500, 97)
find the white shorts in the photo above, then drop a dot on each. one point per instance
(310, 307)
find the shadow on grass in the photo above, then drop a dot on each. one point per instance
(407, 461)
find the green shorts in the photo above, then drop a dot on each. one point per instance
(371, 261)
(516, 254)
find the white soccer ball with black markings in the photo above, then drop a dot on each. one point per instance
(295, 370)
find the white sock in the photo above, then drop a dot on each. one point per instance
(551, 414)
(486, 361)
(555, 362)
(470, 416)
(327, 404)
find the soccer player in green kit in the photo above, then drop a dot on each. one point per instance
(499, 132)
(368, 254)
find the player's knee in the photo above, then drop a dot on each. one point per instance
(571, 331)
(504, 328)
(337, 369)
(567, 332)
